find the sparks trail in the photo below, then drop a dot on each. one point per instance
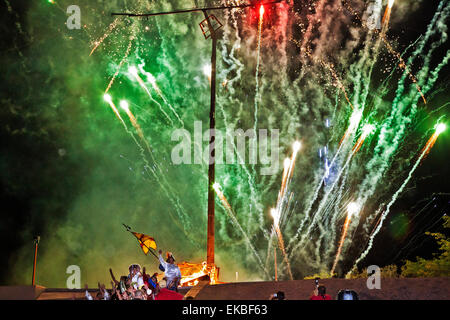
(276, 225)
(124, 105)
(351, 209)
(111, 27)
(288, 172)
(382, 36)
(403, 66)
(250, 181)
(278, 213)
(354, 121)
(308, 210)
(330, 238)
(430, 144)
(328, 66)
(231, 214)
(108, 99)
(135, 74)
(387, 16)
(155, 87)
(287, 165)
(439, 129)
(161, 182)
(338, 81)
(257, 98)
(57, 5)
(258, 57)
(127, 52)
(367, 130)
(323, 202)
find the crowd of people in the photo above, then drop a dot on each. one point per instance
(320, 293)
(138, 285)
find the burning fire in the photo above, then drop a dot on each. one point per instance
(192, 272)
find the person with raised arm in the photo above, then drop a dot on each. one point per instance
(172, 272)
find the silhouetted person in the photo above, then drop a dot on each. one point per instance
(347, 295)
(278, 296)
(320, 293)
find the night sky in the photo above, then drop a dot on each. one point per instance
(71, 173)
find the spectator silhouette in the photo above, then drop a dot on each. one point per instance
(320, 293)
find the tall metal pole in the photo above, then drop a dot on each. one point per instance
(36, 242)
(212, 152)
